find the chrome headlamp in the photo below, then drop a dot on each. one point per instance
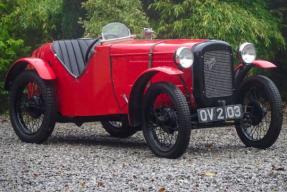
(247, 52)
(184, 57)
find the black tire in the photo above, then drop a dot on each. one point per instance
(178, 121)
(119, 129)
(267, 120)
(42, 113)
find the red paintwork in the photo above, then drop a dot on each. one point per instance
(33, 90)
(106, 84)
(41, 67)
(167, 70)
(131, 58)
(258, 63)
(264, 64)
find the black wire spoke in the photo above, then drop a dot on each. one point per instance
(30, 108)
(253, 129)
(161, 117)
(117, 124)
(35, 123)
(258, 131)
(164, 138)
(265, 123)
(267, 120)
(22, 109)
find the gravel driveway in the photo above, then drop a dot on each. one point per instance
(87, 159)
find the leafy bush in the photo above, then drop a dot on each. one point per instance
(102, 12)
(34, 21)
(9, 49)
(25, 24)
(230, 20)
(279, 7)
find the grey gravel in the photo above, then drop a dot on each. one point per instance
(87, 159)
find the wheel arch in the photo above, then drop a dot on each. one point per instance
(42, 68)
(137, 92)
(242, 70)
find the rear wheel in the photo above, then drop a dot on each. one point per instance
(120, 129)
(262, 121)
(32, 107)
(166, 125)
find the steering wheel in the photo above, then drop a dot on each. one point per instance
(90, 48)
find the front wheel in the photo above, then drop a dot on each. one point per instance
(166, 125)
(262, 121)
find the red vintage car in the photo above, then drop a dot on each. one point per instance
(165, 88)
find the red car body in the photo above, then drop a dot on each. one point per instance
(105, 86)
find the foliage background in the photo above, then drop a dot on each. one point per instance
(25, 24)
(101, 12)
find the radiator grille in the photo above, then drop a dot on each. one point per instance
(217, 74)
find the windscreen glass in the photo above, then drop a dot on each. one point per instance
(115, 31)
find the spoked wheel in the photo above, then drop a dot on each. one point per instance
(262, 121)
(120, 129)
(32, 107)
(167, 123)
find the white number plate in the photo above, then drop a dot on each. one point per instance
(206, 115)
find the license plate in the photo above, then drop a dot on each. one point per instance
(229, 112)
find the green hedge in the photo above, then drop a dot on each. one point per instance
(26, 24)
(102, 12)
(233, 21)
